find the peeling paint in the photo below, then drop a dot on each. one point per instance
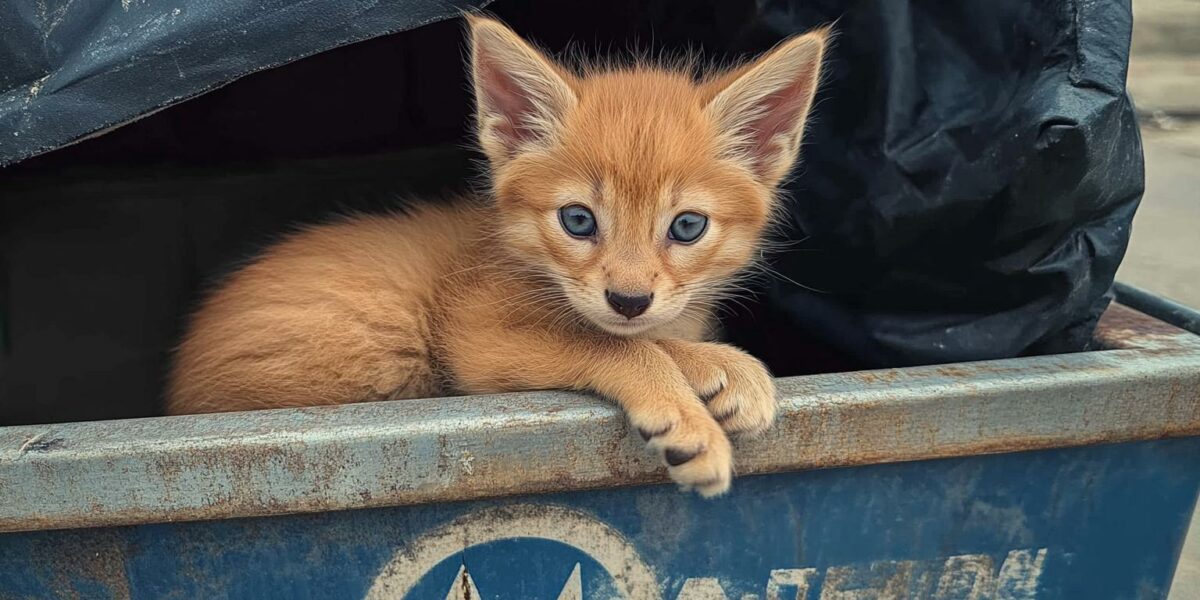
(606, 545)
(875, 533)
(960, 577)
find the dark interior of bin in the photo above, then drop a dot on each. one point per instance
(108, 243)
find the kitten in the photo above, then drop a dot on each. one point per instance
(624, 202)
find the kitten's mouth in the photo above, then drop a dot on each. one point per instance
(625, 325)
(625, 330)
(621, 326)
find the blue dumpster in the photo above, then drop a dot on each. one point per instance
(1057, 477)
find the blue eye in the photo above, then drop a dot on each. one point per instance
(688, 227)
(577, 220)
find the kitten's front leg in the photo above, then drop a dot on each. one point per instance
(737, 388)
(669, 416)
(639, 375)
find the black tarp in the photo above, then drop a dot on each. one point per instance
(966, 192)
(70, 68)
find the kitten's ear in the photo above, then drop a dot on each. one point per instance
(520, 95)
(760, 108)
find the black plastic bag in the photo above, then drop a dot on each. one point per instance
(70, 69)
(969, 180)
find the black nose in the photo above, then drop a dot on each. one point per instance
(628, 306)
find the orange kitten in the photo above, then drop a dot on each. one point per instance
(622, 202)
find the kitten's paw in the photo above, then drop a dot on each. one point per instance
(748, 402)
(738, 389)
(697, 452)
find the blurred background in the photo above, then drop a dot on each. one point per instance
(1164, 254)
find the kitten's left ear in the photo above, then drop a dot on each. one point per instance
(521, 96)
(760, 109)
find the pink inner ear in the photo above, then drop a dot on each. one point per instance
(503, 96)
(782, 112)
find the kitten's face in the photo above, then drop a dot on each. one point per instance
(632, 205)
(639, 191)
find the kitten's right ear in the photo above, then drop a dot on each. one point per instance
(761, 108)
(520, 95)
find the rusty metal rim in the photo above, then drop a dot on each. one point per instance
(438, 450)
(1167, 311)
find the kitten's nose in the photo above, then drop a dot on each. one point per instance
(628, 306)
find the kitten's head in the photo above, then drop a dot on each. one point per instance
(639, 190)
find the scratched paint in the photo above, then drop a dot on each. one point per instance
(970, 576)
(598, 541)
(1095, 522)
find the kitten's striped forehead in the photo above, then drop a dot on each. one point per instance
(641, 133)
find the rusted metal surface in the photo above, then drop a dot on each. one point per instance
(437, 450)
(1102, 521)
(1122, 327)
(1158, 307)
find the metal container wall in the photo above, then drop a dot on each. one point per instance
(1057, 477)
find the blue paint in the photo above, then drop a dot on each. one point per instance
(519, 569)
(1110, 518)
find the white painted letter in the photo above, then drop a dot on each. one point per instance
(703, 588)
(884, 580)
(966, 577)
(1020, 574)
(792, 578)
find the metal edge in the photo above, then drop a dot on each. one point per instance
(439, 450)
(1160, 308)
